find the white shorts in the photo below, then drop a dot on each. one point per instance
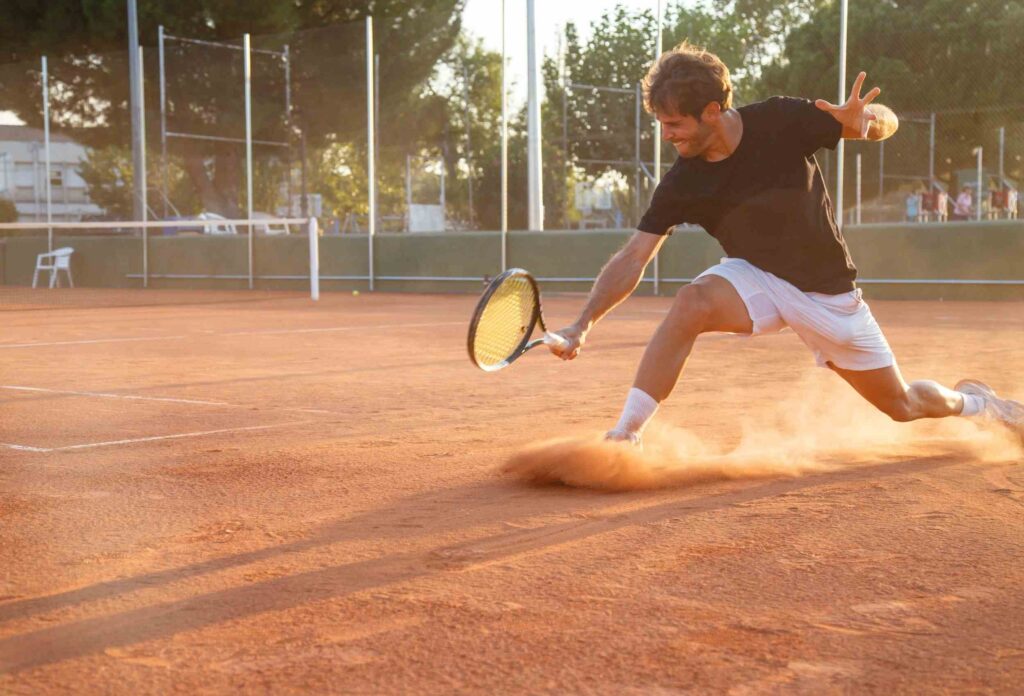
(837, 328)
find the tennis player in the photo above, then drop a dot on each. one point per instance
(749, 177)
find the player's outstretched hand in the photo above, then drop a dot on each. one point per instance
(574, 338)
(853, 114)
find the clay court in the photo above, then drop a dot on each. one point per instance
(208, 492)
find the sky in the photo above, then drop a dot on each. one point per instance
(482, 18)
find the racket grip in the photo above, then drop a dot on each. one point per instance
(553, 339)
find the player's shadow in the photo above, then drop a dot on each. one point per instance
(481, 504)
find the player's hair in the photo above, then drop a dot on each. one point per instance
(685, 80)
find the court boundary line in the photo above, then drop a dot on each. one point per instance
(369, 327)
(154, 438)
(96, 340)
(111, 395)
(161, 399)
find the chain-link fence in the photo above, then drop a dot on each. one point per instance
(289, 134)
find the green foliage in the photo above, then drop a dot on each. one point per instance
(960, 59)
(8, 211)
(89, 75)
(107, 172)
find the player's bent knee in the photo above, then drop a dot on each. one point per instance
(692, 308)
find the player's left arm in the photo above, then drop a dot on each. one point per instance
(861, 119)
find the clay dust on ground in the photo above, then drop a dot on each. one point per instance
(212, 493)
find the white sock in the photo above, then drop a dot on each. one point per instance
(973, 405)
(638, 411)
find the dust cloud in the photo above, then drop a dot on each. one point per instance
(825, 428)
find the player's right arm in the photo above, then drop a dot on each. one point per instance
(616, 281)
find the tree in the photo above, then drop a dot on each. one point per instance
(8, 211)
(89, 88)
(960, 59)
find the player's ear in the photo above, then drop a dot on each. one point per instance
(711, 112)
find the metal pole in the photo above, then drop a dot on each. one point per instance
(977, 212)
(247, 63)
(535, 173)
(376, 110)
(881, 170)
(314, 259)
(46, 154)
(931, 151)
(841, 149)
(636, 155)
(408, 192)
(858, 188)
(1002, 149)
(504, 146)
(657, 140)
(163, 118)
(303, 189)
(444, 202)
(469, 141)
(565, 143)
(142, 173)
(371, 163)
(135, 82)
(287, 58)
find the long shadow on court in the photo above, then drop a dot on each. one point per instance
(87, 636)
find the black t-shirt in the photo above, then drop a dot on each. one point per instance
(765, 203)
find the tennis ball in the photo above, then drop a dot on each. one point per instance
(355, 293)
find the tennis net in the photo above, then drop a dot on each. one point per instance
(83, 263)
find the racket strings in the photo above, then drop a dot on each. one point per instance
(505, 322)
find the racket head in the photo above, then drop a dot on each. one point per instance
(503, 320)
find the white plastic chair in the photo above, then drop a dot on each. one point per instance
(56, 261)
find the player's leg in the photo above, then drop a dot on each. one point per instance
(887, 391)
(710, 303)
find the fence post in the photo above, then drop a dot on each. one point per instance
(314, 259)
(371, 165)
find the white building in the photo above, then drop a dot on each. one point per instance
(22, 171)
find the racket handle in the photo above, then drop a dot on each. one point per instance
(553, 339)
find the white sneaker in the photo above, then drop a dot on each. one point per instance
(1006, 412)
(624, 436)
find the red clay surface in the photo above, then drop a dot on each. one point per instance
(228, 492)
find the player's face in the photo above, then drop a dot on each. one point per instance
(689, 136)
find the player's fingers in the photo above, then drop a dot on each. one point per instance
(870, 96)
(857, 84)
(825, 106)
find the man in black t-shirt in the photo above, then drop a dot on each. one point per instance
(749, 177)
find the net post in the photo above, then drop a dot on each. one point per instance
(314, 259)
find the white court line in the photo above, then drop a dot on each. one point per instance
(340, 328)
(98, 340)
(133, 441)
(235, 333)
(116, 396)
(24, 448)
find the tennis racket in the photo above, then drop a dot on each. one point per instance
(504, 320)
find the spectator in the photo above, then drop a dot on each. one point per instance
(941, 206)
(913, 207)
(963, 205)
